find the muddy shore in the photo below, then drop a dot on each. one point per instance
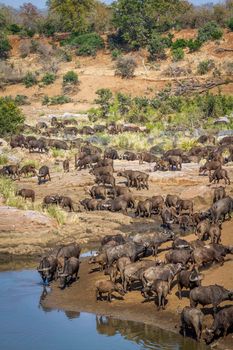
(81, 297)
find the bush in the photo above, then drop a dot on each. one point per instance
(205, 66)
(125, 67)
(156, 48)
(5, 48)
(30, 80)
(179, 43)
(104, 100)
(21, 100)
(177, 54)
(11, 118)
(14, 28)
(115, 54)
(48, 78)
(230, 24)
(86, 44)
(56, 100)
(70, 78)
(194, 45)
(210, 31)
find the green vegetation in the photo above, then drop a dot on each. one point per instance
(85, 44)
(104, 100)
(210, 31)
(56, 153)
(193, 45)
(156, 48)
(56, 100)
(72, 15)
(177, 54)
(136, 20)
(8, 191)
(164, 111)
(21, 100)
(179, 43)
(230, 24)
(3, 159)
(30, 80)
(57, 213)
(70, 78)
(48, 78)
(5, 47)
(116, 53)
(11, 117)
(205, 66)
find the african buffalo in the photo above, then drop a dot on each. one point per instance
(206, 295)
(192, 318)
(70, 271)
(107, 287)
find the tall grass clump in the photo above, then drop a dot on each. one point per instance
(127, 140)
(57, 213)
(57, 153)
(3, 159)
(8, 190)
(187, 144)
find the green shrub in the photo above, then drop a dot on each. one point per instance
(86, 44)
(70, 78)
(177, 54)
(125, 67)
(11, 118)
(230, 24)
(56, 100)
(14, 28)
(205, 66)
(115, 54)
(3, 159)
(210, 31)
(30, 80)
(21, 100)
(156, 48)
(48, 78)
(194, 45)
(179, 43)
(58, 153)
(104, 100)
(5, 47)
(167, 40)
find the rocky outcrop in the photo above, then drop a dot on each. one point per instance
(25, 228)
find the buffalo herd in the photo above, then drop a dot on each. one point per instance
(125, 258)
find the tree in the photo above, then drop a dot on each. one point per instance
(104, 100)
(11, 117)
(100, 18)
(137, 19)
(73, 14)
(30, 16)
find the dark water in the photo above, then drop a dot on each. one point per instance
(25, 325)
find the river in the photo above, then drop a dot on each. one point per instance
(25, 325)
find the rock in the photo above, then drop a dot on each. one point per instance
(27, 228)
(222, 120)
(3, 143)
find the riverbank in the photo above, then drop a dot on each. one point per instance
(81, 297)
